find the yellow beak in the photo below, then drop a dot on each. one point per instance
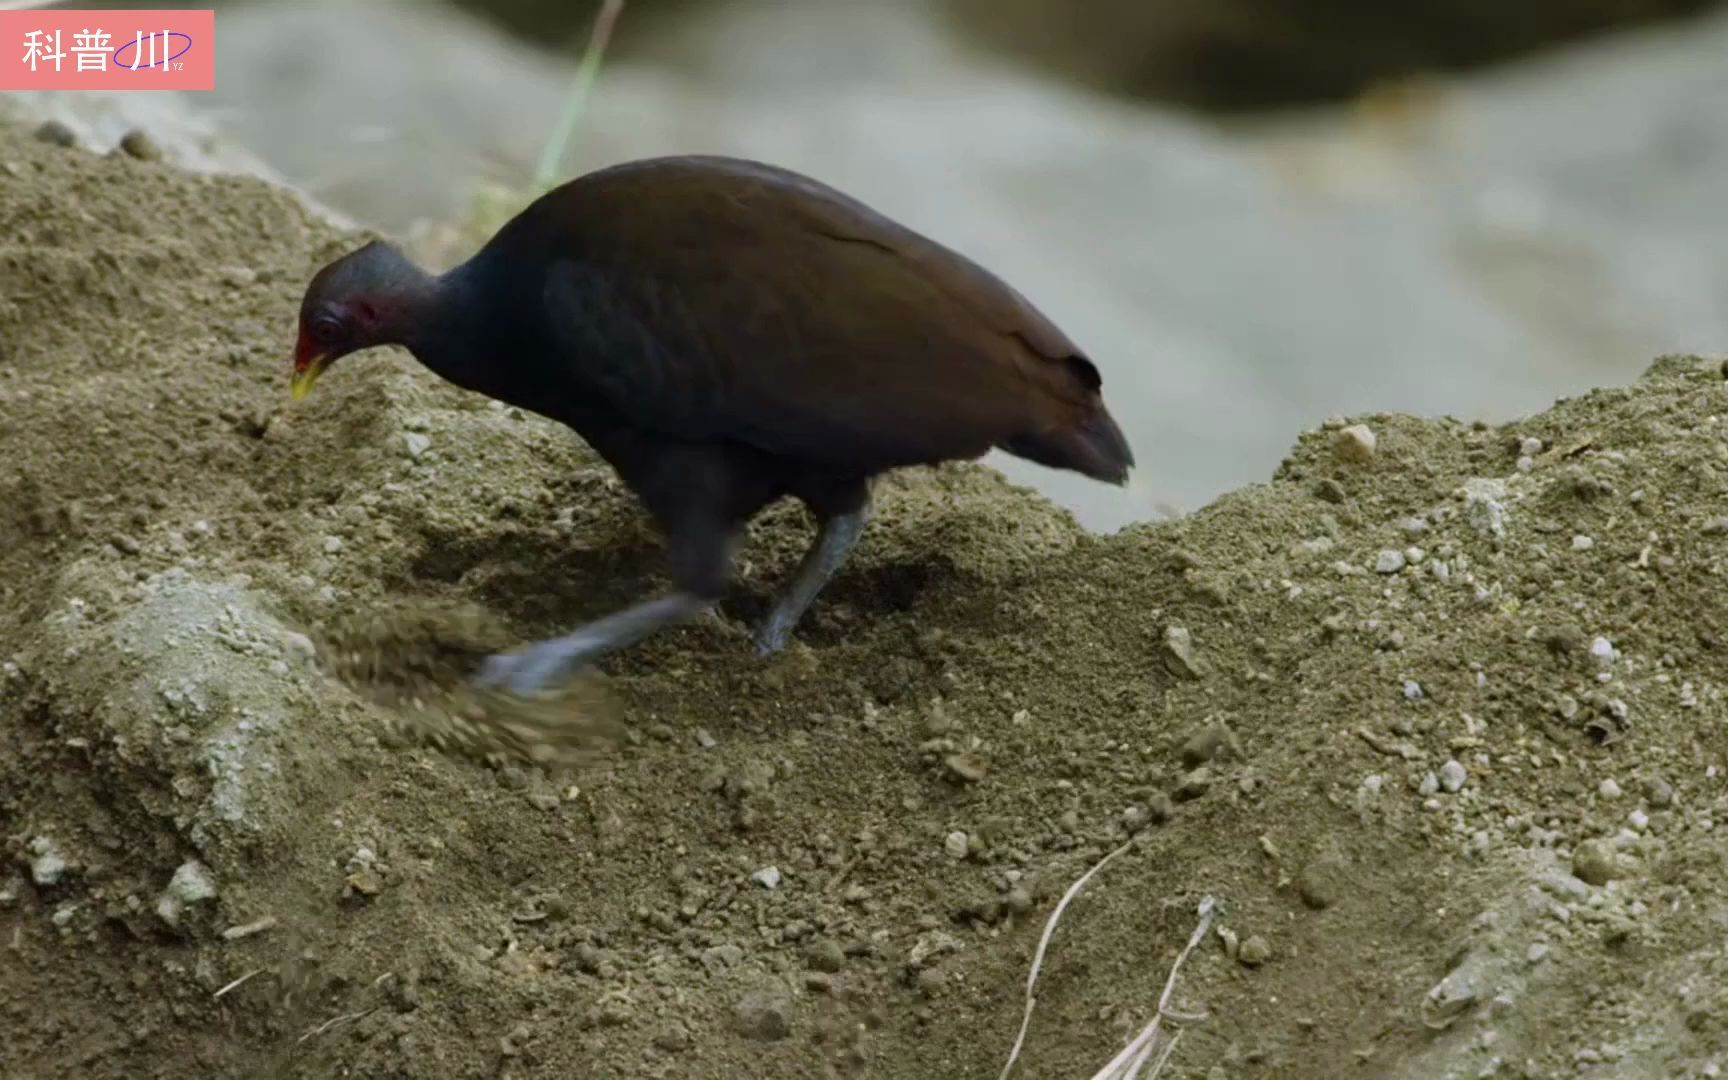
(307, 374)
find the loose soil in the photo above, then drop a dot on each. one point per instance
(1437, 721)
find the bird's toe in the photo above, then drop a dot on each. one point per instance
(496, 670)
(769, 639)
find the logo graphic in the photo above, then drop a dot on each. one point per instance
(107, 50)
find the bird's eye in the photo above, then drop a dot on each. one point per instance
(326, 330)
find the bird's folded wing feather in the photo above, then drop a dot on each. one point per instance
(806, 325)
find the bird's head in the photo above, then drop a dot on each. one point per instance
(361, 300)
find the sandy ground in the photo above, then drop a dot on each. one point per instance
(1437, 721)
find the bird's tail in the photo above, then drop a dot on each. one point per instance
(1095, 447)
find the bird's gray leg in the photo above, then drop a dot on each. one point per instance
(701, 557)
(544, 662)
(838, 536)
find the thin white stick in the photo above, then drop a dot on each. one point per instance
(1038, 957)
(1163, 1057)
(237, 983)
(1127, 1064)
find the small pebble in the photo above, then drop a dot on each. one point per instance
(1596, 862)
(54, 133)
(1321, 883)
(1355, 444)
(1430, 784)
(416, 443)
(967, 767)
(1179, 655)
(1452, 776)
(1194, 785)
(1658, 792)
(1389, 561)
(191, 884)
(1254, 951)
(1412, 690)
(765, 1015)
(957, 844)
(47, 864)
(1582, 543)
(1530, 447)
(825, 955)
(1536, 953)
(1602, 651)
(138, 144)
(1639, 820)
(332, 544)
(768, 877)
(1209, 742)
(673, 1039)
(1608, 789)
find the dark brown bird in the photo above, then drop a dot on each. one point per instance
(725, 333)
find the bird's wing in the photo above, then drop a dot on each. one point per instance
(762, 307)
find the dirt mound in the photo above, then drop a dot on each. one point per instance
(1435, 715)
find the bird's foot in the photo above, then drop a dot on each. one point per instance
(536, 667)
(771, 636)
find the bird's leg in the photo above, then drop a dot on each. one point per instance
(701, 556)
(838, 536)
(545, 662)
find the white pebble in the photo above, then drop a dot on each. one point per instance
(191, 883)
(1412, 690)
(1536, 953)
(417, 444)
(332, 544)
(1485, 505)
(1355, 443)
(1602, 651)
(1639, 820)
(48, 865)
(1389, 561)
(1582, 543)
(1373, 783)
(1452, 776)
(1526, 464)
(1530, 447)
(1608, 789)
(1430, 784)
(768, 877)
(957, 844)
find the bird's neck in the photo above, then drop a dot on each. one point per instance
(444, 329)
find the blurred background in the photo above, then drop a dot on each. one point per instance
(1254, 214)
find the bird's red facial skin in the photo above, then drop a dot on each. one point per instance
(304, 351)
